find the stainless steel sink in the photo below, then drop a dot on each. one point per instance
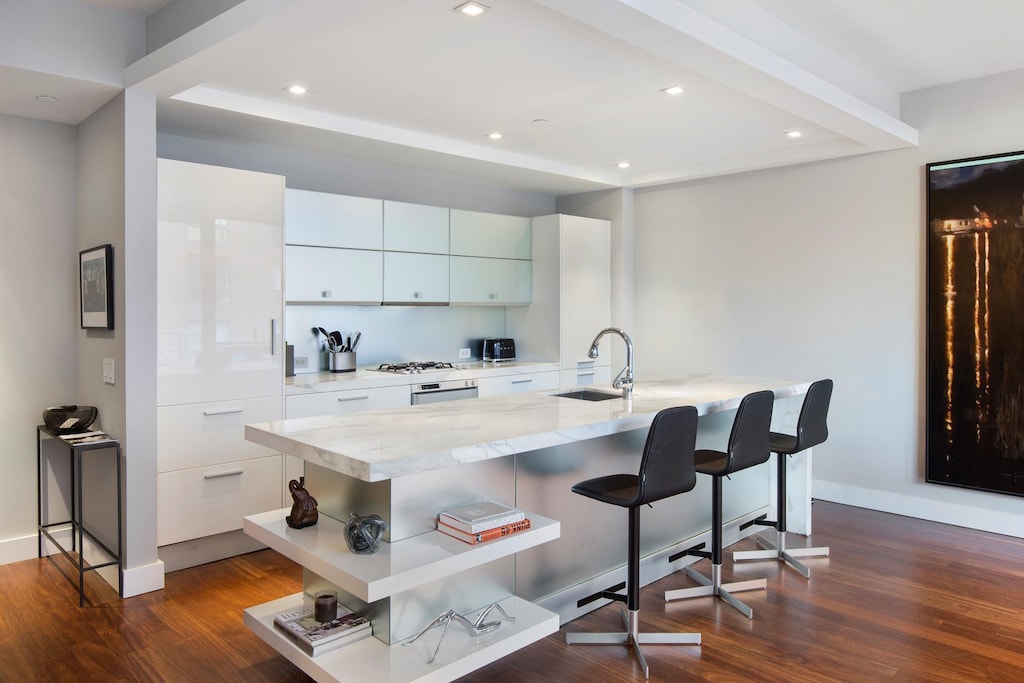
(588, 395)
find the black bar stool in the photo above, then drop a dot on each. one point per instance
(811, 430)
(666, 469)
(748, 446)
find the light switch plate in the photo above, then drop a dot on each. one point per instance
(108, 370)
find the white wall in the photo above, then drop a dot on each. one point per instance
(818, 270)
(39, 300)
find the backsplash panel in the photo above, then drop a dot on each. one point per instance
(393, 333)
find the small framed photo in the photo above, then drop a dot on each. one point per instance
(96, 267)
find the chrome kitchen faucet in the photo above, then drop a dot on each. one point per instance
(624, 380)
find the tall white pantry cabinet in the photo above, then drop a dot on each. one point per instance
(220, 350)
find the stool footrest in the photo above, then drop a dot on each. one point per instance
(693, 551)
(608, 594)
(759, 521)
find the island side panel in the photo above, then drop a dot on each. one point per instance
(593, 538)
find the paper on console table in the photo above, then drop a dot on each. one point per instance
(385, 444)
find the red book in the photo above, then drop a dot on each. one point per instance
(482, 536)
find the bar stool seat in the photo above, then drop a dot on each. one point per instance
(811, 430)
(748, 446)
(666, 469)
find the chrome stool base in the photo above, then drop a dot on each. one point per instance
(714, 586)
(777, 551)
(632, 637)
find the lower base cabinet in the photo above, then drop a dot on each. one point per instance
(202, 501)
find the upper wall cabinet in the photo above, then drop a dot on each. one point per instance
(490, 234)
(491, 281)
(415, 227)
(323, 274)
(333, 220)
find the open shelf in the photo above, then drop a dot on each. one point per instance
(397, 566)
(370, 660)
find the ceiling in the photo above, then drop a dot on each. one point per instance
(574, 86)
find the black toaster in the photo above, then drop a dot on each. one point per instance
(499, 349)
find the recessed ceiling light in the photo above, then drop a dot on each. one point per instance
(673, 90)
(622, 164)
(46, 98)
(495, 135)
(471, 9)
(793, 134)
(297, 89)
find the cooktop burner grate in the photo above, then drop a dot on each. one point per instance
(414, 367)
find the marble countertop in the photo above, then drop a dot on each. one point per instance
(385, 444)
(370, 377)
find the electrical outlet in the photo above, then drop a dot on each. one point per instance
(464, 354)
(302, 361)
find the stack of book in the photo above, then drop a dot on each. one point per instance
(316, 637)
(479, 522)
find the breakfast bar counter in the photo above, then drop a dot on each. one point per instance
(525, 450)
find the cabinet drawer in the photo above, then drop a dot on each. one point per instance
(489, 281)
(517, 384)
(415, 227)
(342, 402)
(474, 233)
(199, 434)
(584, 375)
(415, 278)
(333, 220)
(333, 275)
(211, 500)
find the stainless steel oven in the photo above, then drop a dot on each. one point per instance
(451, 390)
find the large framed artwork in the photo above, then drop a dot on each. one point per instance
(96, 281)
(975, 327)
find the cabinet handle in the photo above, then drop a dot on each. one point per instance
(273, 336)
(224, 411)
(522, 381)
(586, 374)
(219, 475)
(417, 295)
(493, 295)
(586, 361)
(325, 294)
(352, 398)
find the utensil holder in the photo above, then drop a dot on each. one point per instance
(341, 361)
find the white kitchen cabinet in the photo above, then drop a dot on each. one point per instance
(415, 227)
(332, 220)
(415, 278)
(348, 401)
(489, 281)
(218, 283)
(571, 298)
(474, 233)
(219, 360)
(203, 501)
(517, 384)
(323, 274)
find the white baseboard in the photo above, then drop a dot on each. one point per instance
(956, 514)
(144, 579)
(18, 549)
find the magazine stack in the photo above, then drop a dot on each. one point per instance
(316, 637)
(480, 522)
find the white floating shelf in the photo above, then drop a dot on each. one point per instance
(371, 661)
(397, 566)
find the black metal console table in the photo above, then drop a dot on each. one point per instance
(78, 530)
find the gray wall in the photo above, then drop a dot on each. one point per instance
(818, 270)
(38, 297)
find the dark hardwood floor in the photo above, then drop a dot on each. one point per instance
(899, 600)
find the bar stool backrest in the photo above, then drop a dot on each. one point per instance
(667, 468)
(748, 440)
(812, 427)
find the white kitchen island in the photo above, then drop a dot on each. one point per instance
(526, 450)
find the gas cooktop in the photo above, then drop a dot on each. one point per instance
(416, 367)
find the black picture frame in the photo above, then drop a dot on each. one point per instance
(96, 287)
(974, 414)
